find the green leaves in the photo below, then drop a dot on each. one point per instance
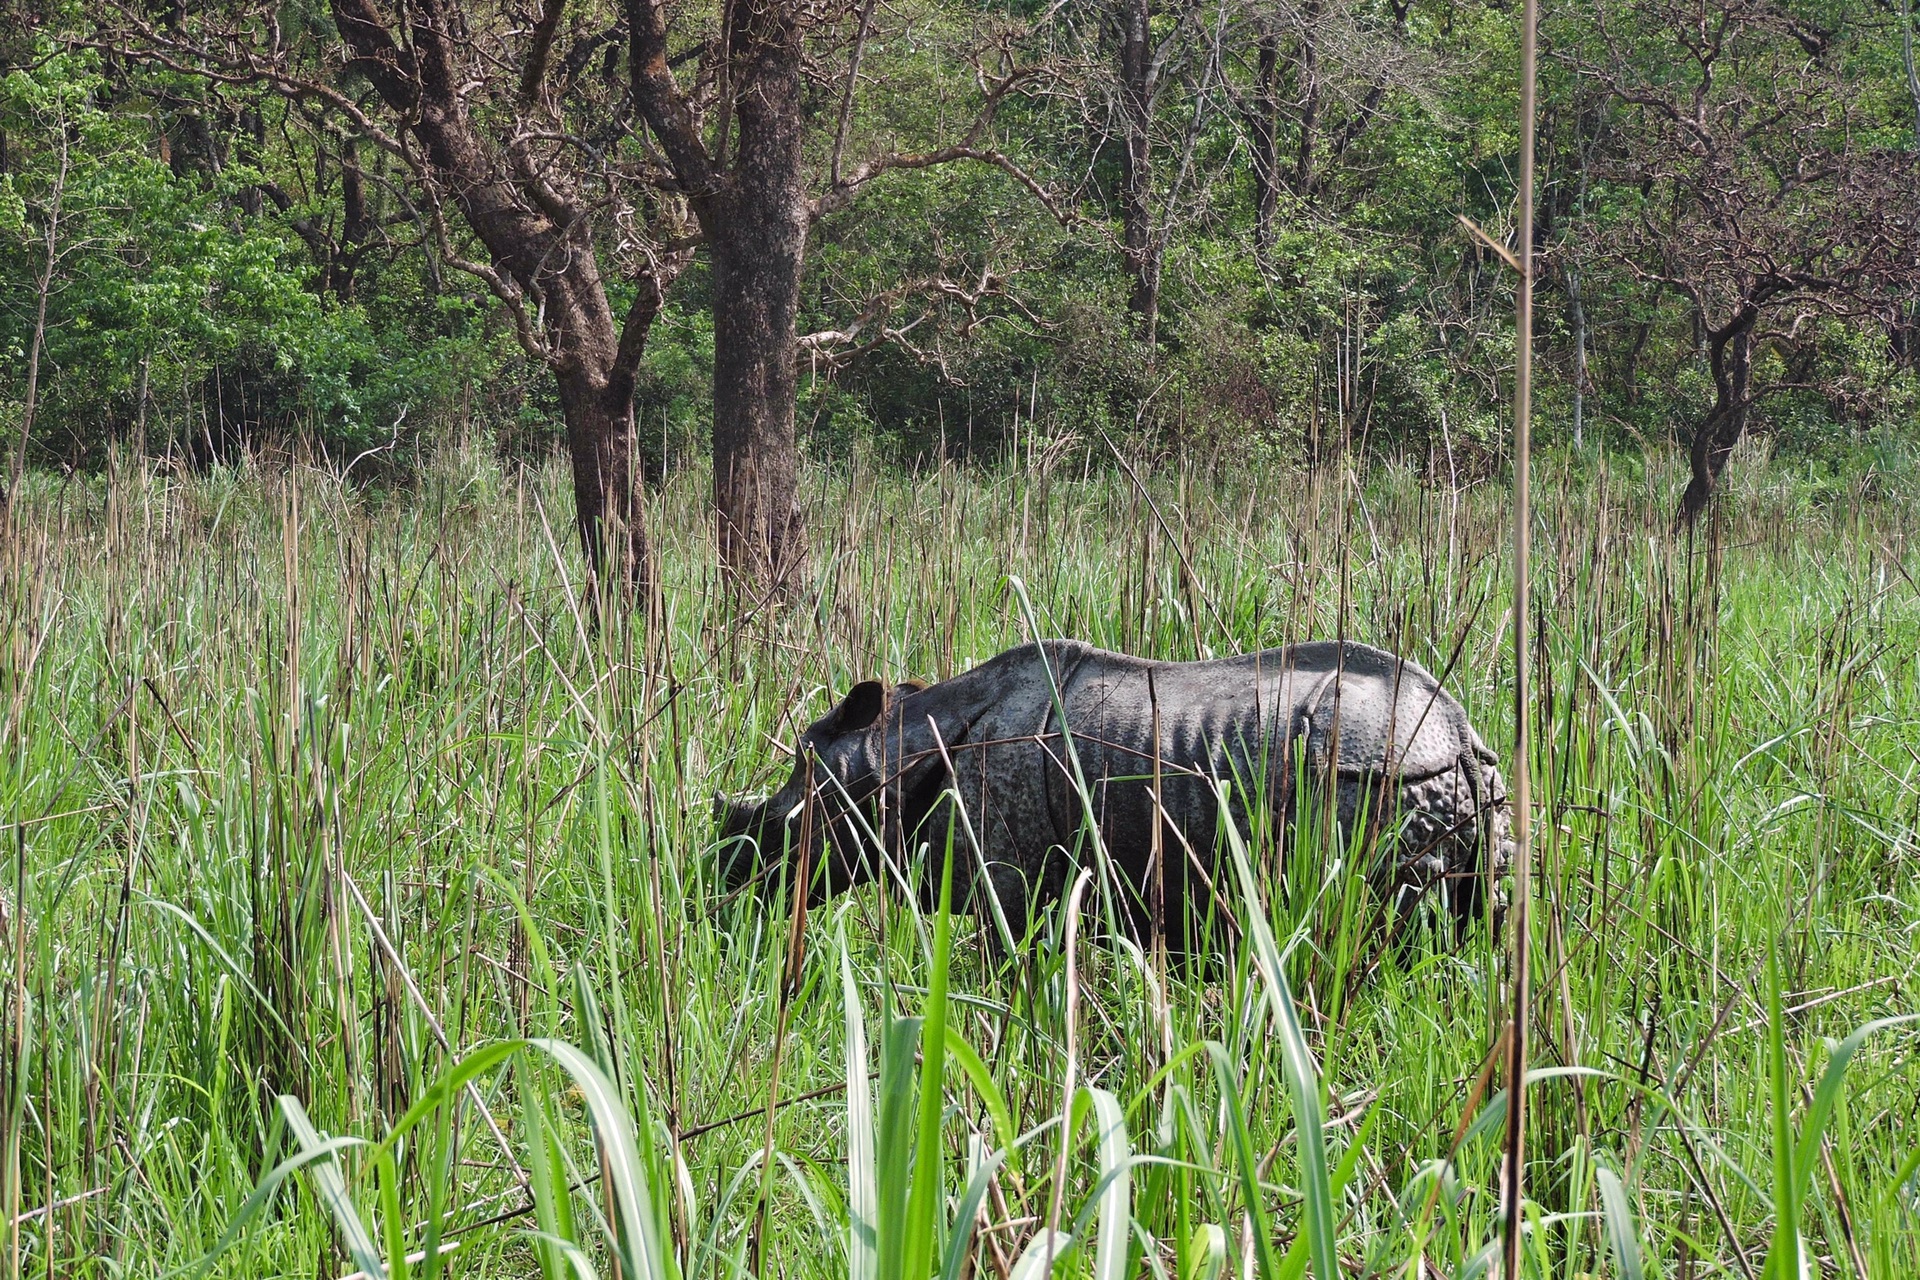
(13, 209)
(1623, 1236)
(863, 1195)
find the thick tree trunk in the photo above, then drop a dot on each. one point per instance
(757, 236)
(1139, 244)
(1730, 352)
(608, 472)
(595, 360)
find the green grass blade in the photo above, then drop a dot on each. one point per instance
(1206, 1253)
(1302, 1075)
(447, 1084)
(552, 1202)
(923, 1204)
(1248, 1160)
(392, 1224)
(1042, 1253)
(1116, 1199)
(960, 1239)
(1783, 1256)
(577, 1262)
(642, 1256)
(330, 1189)
(990, 1093)
(263, 1192)
(893, 1142)
(1622, 1234)
(863, 1258)
(1832, 1080)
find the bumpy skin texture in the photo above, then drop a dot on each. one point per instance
(1395, 747)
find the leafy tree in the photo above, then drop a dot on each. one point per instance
(137, 280)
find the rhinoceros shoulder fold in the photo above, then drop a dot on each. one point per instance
(1379, 711)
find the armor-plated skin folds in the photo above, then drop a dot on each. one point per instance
(1394, 747)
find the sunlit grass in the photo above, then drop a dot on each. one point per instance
(331, 809)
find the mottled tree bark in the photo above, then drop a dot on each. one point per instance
(754, 215)
(757, 234)
(608, 474)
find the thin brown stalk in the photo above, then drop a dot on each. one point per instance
(1521, 996)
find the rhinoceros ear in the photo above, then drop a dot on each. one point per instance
(859, 709)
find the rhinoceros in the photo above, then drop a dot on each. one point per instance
(1374, 732)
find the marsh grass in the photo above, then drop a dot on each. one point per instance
(360, 911)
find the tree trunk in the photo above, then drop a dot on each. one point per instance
(1136, 200)
(42, 291)
(1730, 352)
(1309, 99)
(1264, 128)
(42, 287)
(607, 475)
(757, 236)
(355, 227)
(536, 234)
(1577, 310)
(1630, 363)
(596, 360)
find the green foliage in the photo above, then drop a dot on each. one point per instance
(171, 306)
(213, 292)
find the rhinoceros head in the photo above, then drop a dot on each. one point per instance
(833, 771)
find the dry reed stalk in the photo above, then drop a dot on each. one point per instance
(1521, 996)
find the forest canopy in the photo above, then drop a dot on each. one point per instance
(759, 228)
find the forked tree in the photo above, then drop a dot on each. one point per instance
(496, 141)
(1745, 180)
(571, 141)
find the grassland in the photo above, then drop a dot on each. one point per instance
(337, 795)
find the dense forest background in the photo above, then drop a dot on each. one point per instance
(1271, 226)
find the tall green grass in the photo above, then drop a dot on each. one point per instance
(360, 912)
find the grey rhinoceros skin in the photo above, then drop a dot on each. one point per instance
(1403, 759)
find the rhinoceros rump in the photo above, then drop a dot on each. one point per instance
(1395, 746)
